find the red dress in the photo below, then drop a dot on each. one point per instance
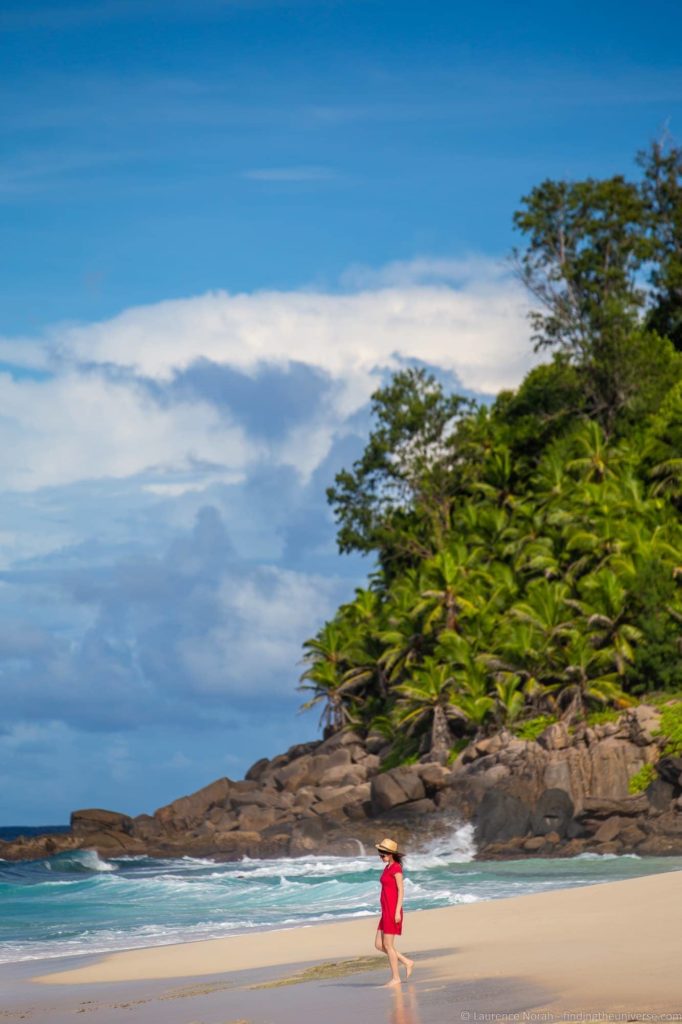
(389, 900)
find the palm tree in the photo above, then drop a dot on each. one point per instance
(546, 610)
(442, 602)
(402, 635)
(519, 651)
(605, 607)
(510, 701)
(425, 702)
(595, 459)
(586, 678)
(332, 674)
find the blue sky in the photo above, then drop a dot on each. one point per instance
(223, 225)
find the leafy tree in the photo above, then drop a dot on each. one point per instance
(663, 448)
(662, 193)
(426, 700)
(397, 499)
(330, 674)
(587, 244)
(529, 554)
(546, 403)
(587, 678)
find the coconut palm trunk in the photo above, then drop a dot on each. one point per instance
(440, 736)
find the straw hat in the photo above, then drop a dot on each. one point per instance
(388, 846)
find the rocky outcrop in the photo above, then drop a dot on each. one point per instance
(559, 795)
(568, 792)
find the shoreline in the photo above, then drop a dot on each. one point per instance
(42, 959)
(610, 947)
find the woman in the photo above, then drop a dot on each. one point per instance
(391, 921)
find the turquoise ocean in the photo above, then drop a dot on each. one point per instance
(79, 903)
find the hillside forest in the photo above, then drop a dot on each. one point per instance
(526, 553)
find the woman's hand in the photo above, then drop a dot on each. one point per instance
(398, 915)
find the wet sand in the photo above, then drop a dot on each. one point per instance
(610, 951)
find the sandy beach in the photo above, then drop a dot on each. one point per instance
(607, 951)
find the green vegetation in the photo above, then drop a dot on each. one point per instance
(532, 727)
(642, 779)
(528, 553)
(671, 729)
(602, 716)
(325, 971)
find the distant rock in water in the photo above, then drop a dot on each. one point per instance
(559, 795)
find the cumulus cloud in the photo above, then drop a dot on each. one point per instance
(82, 425)
(476, 330)
(162, 388)
(173, 638)
(165, 544)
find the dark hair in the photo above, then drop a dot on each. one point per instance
(398, 858)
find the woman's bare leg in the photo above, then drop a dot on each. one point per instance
(406, 962)
(392, 955)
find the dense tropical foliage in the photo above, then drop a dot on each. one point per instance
(528, 552)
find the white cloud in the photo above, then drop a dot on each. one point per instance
(85, 426)
(28, 353)
(477, 330)
(98, 417)
(256, 646)
(289, 174)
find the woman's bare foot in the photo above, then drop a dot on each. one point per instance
(392, 983)
(409, 967)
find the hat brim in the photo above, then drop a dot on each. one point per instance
(382, 849)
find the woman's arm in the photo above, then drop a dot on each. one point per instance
(399, 904)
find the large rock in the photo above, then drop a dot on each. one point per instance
(258, 769)
(670, 770)
(235, 845)
(370, 763)
(37, 847)
(111, 843)
(660, 794)
(345, 797)
(660, 846)
(345, 738)
(552, 813)
(343, 775)
(609, 829)
(643, 721)
(494, 775)
(295, 775)
(189, 811)
(434, 776)
(395, 787)
(600, 807)
(255, 819)
(304, 800)
(668, 823)
(147, 828)
(263, 797)
(630, 834)
(555, 737)
(534, 844)
(87, 822)
(500, 817)
(222, 819)
(491, 745)
(413, 809)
